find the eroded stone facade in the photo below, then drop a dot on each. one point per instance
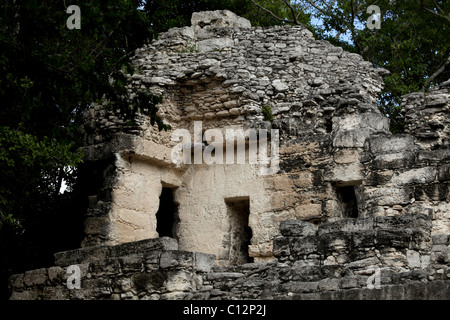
(348, 197)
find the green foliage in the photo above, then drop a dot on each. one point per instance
(260, 17)
(267, 112)
(147, 104)
(49, 76)
(177, 13)
(413, 43)
(33, 169)
(189, 49)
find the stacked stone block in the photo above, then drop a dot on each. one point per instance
(426, 116)
(150, 270)
(155, 270)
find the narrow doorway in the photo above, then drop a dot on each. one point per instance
(166, 217)
(240, 234)
(349, 202)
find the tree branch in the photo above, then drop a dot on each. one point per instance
(271, 13)
(327, 5)
(268, 11)
(315, 6)
(286, 2)
(352, 15)
(436, 74)
(340, 32)
(439, 15)
(440, 9)
(295, 21)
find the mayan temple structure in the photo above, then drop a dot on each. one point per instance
(334, 206)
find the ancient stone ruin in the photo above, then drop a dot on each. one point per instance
(349, 211)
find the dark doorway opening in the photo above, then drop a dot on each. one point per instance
(167, 213)
(328, 125)
(349, 202)
(240, 233)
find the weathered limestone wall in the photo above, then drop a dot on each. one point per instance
(150, 269)
(427, 120)
(155, 269)
(426, 116)
(124, 208)
(406, 179)
(136, 199)
(333, 138)
(221, 71)
(337, 156)
(349, 197)
(132, 172)
(205, 223)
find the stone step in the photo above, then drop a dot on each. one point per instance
(299, 228)
(340, 241)
(299, 238)
(96, 253)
